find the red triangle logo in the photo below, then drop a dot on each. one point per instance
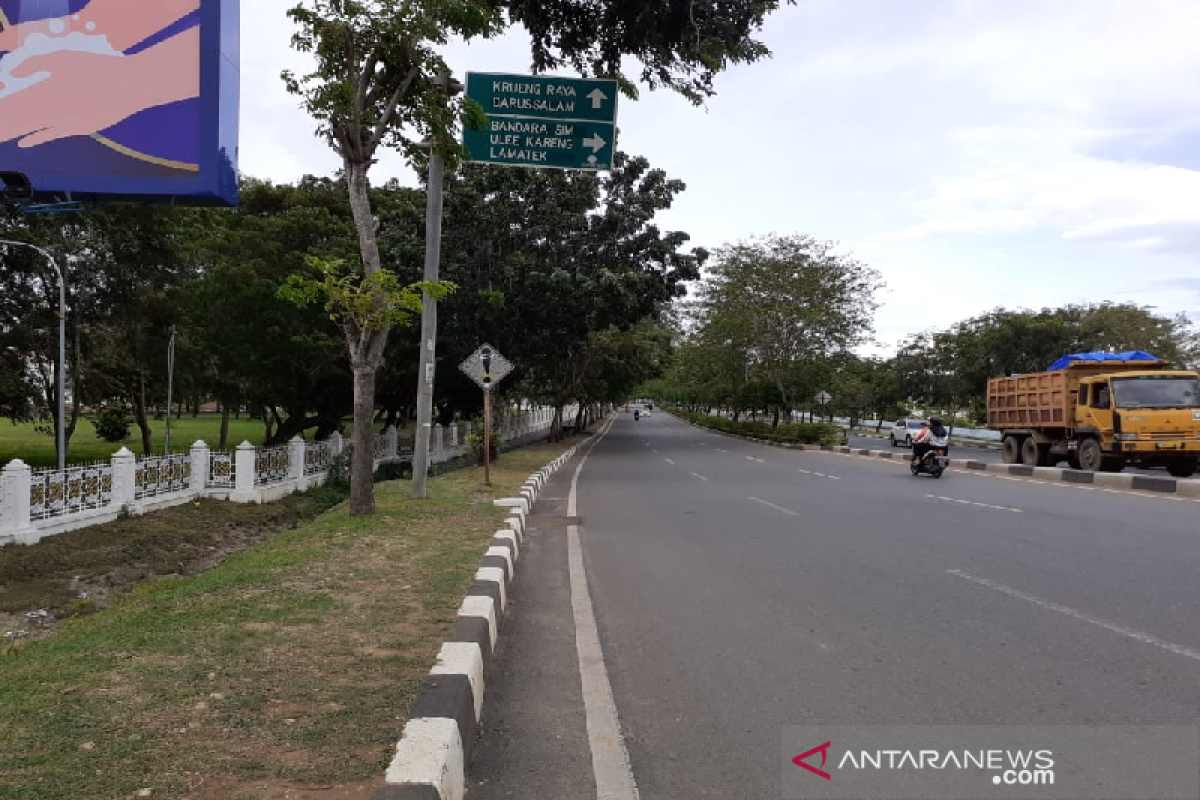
(799, 761)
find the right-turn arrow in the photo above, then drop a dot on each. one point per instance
(594, 142)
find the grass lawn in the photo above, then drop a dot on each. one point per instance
(37, 449)
(286, 671)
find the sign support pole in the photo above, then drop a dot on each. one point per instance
(487, 437)
(425, 370)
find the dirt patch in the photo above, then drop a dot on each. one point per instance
(81, 572)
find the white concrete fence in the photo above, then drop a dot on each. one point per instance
(35, 504)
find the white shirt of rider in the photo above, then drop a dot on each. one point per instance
(926, 435)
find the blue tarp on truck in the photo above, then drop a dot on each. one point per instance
(1128, 355)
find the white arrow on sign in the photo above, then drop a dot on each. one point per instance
(597, 97)
(594, 142)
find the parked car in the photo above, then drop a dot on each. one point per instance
(903, 431)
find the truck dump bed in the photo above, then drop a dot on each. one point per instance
(1047, 399)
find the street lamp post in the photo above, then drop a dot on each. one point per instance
(62, 347)
(170, 387)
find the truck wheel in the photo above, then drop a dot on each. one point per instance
(1089, 455)
(1012, 450)
(1073, 460)
(1184, 468)
(1112, 464)
(1031, 455)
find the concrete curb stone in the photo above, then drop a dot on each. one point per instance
(439, 736)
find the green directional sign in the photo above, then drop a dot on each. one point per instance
(543, 121)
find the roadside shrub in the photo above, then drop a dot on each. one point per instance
(112, 425)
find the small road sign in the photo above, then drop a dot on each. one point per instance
(486, 367)
(823, 397)
(543, 121)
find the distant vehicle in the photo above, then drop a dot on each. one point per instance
(1100, 411)
(903, 431)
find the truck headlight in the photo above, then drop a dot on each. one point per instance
(1127, 437)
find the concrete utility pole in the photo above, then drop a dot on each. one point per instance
(433, 252)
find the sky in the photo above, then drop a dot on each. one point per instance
(977, 153)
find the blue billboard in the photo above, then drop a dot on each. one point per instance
(121, 99)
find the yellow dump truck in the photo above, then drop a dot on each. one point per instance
(1100, 413)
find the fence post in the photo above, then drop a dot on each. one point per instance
(296, 463)
(335, 444)
(439, 436)
(200, 466)
(124, 469)
(15, 524)
(454, 435)
(392, 448)
(244, 474)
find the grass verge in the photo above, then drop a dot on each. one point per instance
(284, 672)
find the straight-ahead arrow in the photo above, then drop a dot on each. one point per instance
(597, 97)
(594, 142)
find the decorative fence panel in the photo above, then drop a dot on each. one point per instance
(159, 475)
(271, 465)
(222, 469)
(317, 457)
(72, 491)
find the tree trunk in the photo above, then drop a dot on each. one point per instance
(362, 469)
(268, 424)
(556, 423)
(224, 426)
(139, 415)
(579, 417)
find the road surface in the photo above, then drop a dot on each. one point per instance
(738, 589)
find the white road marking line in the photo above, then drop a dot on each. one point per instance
(787, 511)
(819, 474)
(669, 461)
(973, 503)
(698, 475)
(610, 758)
(1144, 638)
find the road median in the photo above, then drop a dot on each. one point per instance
(289, 668)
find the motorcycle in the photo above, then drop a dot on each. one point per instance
(933, 463)
(637, 415)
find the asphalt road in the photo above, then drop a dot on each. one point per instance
(740, 589)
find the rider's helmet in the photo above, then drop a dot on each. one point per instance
(935, 420)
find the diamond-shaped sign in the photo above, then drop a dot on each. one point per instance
(486, 367)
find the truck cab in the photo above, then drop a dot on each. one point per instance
(1151, 418)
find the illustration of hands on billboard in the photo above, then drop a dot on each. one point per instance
(121, 99)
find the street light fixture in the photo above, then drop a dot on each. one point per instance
(62, 347)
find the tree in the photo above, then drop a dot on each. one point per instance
(374, 85)
(792, 302)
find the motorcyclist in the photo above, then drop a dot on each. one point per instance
(932, 434)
